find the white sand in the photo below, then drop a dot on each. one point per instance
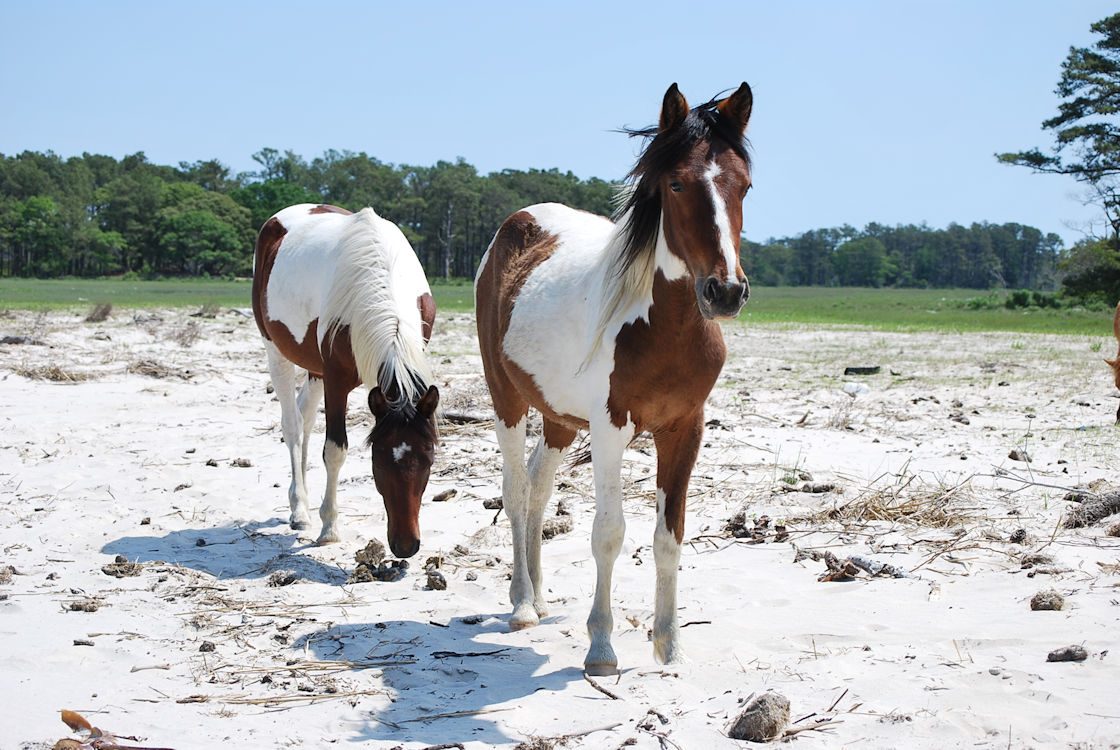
(130, 464)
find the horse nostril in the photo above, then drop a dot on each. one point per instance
(711, 289)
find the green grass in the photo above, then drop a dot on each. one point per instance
(883, 309)
(912, 310)
(40, 294)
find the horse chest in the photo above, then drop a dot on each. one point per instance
(658, 379)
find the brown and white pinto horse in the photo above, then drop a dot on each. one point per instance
(1115, 363)
(612, 328)
(343, 296)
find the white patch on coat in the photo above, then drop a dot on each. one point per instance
(354, 270)
(399, 451)
(727, 243)
(563, 294)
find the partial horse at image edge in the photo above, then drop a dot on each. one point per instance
(343, 296)
(612, 328)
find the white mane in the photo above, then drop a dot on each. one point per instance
(386, 333)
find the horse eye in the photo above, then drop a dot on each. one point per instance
(676, 187)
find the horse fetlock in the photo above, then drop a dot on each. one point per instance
(667, 649)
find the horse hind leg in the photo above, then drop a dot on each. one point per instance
(283, 374)
(543, 463)
(515, 500)
(309, 397)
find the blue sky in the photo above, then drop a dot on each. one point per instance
(884, 111)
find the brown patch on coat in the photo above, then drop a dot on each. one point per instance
(325, 208)
(427, 307)
(665, 366)
(268, 243)
(519, 247)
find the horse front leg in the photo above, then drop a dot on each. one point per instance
(677, 448)
(283, 374)
(334, 455)
(607, 446)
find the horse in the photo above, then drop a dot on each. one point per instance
(1115, 363)
(611, 327)
(343, 296)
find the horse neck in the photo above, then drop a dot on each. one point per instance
(632, 292)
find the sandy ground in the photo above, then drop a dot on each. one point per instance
(151, 436)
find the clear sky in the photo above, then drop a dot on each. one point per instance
(864, 110)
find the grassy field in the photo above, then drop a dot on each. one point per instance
(885, 309)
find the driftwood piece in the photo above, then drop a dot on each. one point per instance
(848, 568)
(1068, 653)
(1092, 509)
(877, 568)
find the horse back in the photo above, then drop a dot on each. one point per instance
(290, 270)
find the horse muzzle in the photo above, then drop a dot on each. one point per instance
(406, 547)
(721, 299)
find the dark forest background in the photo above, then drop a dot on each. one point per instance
(94, 215)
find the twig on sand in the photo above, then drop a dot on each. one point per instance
(600, 688)
(456, 714)
(534, 741)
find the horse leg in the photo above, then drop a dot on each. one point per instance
(677, 447)
(283, 375)
(309, 397)
(334, 455)
(607, 445)
(543, 463)
(515, 500)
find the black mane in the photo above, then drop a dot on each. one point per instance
(642, 206)
(398, 418)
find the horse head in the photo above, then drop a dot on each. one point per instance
(403, 444)
(700, 169)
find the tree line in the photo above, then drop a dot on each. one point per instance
(94, 215)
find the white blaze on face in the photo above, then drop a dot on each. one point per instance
(399, 451)
(727, 243)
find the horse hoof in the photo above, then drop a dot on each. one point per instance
(600, 669)
(326, 539)
(525, 616)
(300, 525)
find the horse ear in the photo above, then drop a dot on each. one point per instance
(428, 402)
(378, 404)
(674, 108)
(737, 108)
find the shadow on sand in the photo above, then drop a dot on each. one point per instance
(444, 679)
(231, 551)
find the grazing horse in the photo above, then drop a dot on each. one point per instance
(611, 328)
(343, 296)
(1115, 363)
